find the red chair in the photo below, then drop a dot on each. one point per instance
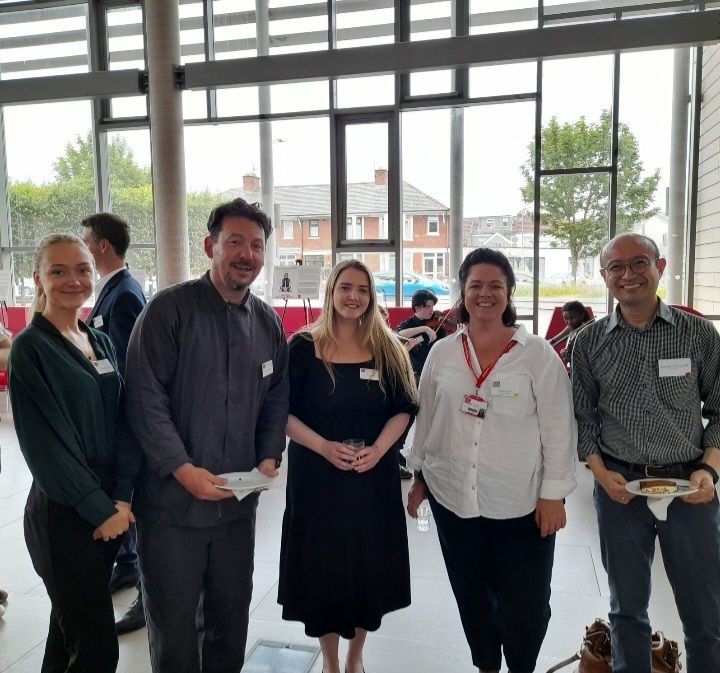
(687, 309)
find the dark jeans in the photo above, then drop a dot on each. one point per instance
(197, 586)
(690, 544)
(500, 572)
(75, 570)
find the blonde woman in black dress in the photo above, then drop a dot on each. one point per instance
(344, 555)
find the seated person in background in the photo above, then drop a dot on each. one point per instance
(408, 343)
(423, 304)
(576, 316)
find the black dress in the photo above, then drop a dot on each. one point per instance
(344, 552)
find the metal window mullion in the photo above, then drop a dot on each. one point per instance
(402, 34)
(6, 257)
(98, 58)
(395, 198)
(338, 181)
(209, 38)
(460, 21)
(332, 47)
(614, 154)
(536, 191)
(693, 179)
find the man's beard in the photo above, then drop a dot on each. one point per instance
(236, 285)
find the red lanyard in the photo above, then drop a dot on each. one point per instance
(486, 372)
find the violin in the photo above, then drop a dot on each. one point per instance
(447, 320)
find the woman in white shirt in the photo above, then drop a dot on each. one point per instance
(494, 453)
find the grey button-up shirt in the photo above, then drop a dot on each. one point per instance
(627, 409)
(206, 383)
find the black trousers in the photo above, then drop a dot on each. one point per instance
(197, 586)
(75, 570)
(500, 572)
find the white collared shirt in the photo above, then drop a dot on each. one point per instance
(525, 447)
(100, 284)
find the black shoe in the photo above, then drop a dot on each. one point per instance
(405, 473)
(120, 581)
(133, 619)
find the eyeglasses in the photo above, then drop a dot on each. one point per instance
(639, 265)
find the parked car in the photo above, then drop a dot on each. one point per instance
(523, 278)
(385, 285)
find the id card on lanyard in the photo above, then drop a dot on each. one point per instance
(473, 403)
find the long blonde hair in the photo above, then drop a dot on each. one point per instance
(40, 300)
(392, 362)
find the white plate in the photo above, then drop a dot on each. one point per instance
(246, 481)
(682, 484)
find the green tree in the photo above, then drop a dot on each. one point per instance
(77, 163)
(574, 207)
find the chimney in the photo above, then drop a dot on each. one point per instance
(381, 176)
(251, 183)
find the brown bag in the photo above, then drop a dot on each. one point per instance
(595, 655)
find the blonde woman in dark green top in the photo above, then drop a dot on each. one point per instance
(67, 407)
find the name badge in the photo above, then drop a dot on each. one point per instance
(675, 367)
(474, 405)
(104, 366)
(98, 321)
(267, 368)
(369, 374)
(504, 389)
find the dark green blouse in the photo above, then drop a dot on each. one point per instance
(69, 420)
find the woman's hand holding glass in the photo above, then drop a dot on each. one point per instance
(367, 458)
(339, 454)
(117, 524)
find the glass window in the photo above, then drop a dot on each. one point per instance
(585, 114)
(234, 28)
(407, 228)
(430, 20)
(357, 27)
(288, 229)
(365, 91)
(297, 25)
(42, 42)
(51, 188)
(433, 228)
(500, 80)
(366, 145)
(574, 221)
(314, 229)
(644, 150)
(131, 197)
(126, 49)
(496, 16)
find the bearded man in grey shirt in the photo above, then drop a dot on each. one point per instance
(207, 391)
(643, 379)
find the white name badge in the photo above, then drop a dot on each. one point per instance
(675, 367)
(104, 367)
(267, 368)
(504, 389)
(98, 321)
(369, 374)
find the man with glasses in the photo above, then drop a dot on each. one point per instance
(643, 378)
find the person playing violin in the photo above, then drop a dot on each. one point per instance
(424, 323)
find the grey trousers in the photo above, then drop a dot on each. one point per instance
(197, 586)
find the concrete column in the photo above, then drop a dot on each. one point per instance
(267, 184)
(167, 143)
(457, 178)
(674, 272)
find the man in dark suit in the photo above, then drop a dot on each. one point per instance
(119, 299)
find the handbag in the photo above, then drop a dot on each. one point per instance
(595, 655)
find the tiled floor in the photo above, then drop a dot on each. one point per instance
(424, 638)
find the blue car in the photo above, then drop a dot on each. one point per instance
(385, 285)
